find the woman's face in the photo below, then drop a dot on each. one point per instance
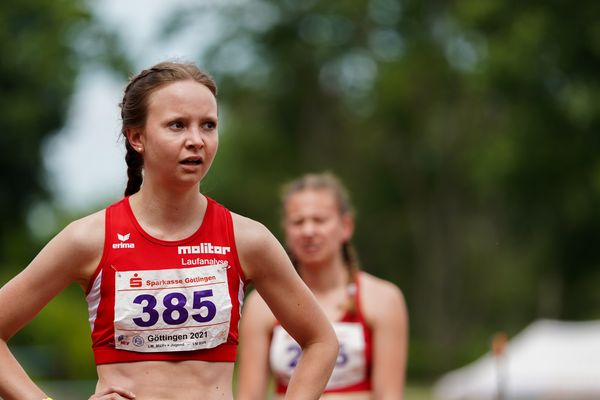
(180, 138)
(314, 227)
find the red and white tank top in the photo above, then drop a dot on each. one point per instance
(151, 299)
(352, 372)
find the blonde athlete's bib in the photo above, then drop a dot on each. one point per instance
(352, 372)
(350, 367)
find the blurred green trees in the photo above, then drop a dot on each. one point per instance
(44, 45)
(467, 131)
(37, 74)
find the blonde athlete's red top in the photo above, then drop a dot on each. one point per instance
(151, 299)
(352, 372)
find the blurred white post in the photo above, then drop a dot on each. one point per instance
(499, 342)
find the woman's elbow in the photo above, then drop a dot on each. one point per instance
(331, 345)
(325, 344)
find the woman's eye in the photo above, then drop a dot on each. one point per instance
(176, 125)
(209, 125)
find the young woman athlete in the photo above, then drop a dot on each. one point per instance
(164, 269)
(368, 313)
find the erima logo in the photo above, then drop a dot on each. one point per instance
(123, 239)
(203, 248)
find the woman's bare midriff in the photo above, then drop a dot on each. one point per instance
(341, 396)
(170, 380)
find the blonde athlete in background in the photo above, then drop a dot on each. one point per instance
(369, 314)
(164, 269)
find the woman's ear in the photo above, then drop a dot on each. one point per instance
(347, 226)
(135, 138)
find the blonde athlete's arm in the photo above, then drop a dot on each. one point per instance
(385, 311)
(71, 256)
(266, 263)
(256, 328)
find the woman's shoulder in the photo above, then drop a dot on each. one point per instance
(373, 285)
(257, 248)
(82, 240)
(88, 231)
(249, 234)
(76, 249)
(245, 223)
(379, 296)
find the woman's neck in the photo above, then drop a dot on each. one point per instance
(168, 215)
(326, 276)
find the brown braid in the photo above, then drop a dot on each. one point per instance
(351, 258)
(134, 107)
(135, 163)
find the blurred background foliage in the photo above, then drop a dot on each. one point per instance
(467, 132)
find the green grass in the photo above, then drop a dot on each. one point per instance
(417, 392)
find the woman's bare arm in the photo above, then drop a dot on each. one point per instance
(68, 257)
(385, 310)
(265, 263)
(256, 328)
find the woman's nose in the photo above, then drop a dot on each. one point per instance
(194, 138)
(308, 228)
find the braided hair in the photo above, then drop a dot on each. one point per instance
(134, 107)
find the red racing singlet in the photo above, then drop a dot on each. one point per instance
(352, 372)
(151, 299)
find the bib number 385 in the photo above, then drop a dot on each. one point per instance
(175, 312)
(172, 310)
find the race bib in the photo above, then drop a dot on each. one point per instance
(350, 367)
(178, 309)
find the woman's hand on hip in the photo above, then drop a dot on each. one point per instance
(113, 393)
